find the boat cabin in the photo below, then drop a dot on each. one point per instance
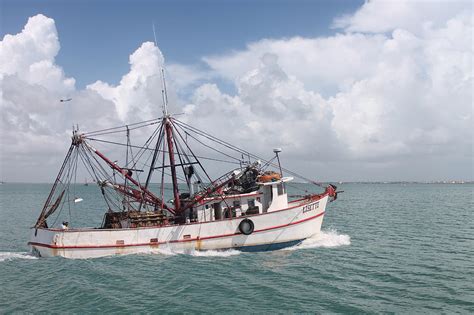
(269, 197)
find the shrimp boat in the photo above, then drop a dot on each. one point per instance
(163, 195)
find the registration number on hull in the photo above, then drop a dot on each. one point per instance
(311, 207)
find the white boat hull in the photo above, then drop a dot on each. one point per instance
(273, 230)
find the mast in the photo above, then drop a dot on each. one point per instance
(169, 138)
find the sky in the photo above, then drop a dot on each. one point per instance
(94, 33)
(350, 90)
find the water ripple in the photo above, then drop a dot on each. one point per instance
(383, 249)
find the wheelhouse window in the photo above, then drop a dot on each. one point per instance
(251, 203)
(281, 189)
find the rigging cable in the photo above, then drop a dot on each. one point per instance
(232, 147)
(164, 151)
(144, 123)
(205, 172)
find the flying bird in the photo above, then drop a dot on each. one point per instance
(66, 100)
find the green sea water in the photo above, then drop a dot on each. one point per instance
(398, 248)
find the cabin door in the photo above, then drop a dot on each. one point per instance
(217, 210)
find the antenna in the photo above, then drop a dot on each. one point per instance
(164, 93)
(154, 34)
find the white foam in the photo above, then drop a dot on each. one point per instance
(4, 256)
(215, 253)
(328, 238)
(168, 251)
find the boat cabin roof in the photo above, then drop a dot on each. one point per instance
(282, 180)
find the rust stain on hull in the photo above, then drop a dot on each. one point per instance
(198, 243)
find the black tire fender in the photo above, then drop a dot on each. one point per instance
(246, 226)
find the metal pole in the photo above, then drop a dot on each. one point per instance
(169, 138)
(278, 150)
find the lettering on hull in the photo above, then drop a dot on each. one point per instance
(311, 207)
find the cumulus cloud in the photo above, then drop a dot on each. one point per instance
(31, 84)
(269, 104)
(35, 126)
(419, 96)
(381, 16)
(30, 55)
(323, 64)
(187, 77)
(138, 95)
(392, 87)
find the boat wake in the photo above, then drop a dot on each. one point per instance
(329, 238)
(6, 256)
(216, 253)
(197, 253)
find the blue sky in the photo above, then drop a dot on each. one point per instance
(97, 37)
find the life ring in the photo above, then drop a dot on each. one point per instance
(246, 226)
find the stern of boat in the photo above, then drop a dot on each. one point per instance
(43, 242)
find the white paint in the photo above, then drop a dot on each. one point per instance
(270, 228)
